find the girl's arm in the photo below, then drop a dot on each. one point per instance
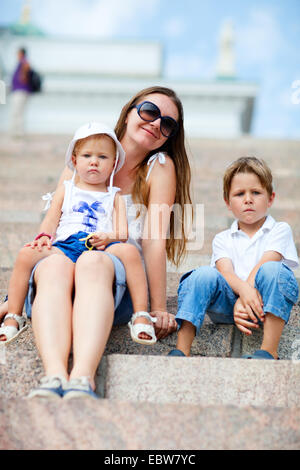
(51, 219)
(161, 199)
(120, 226)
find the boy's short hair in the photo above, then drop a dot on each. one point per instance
(248, 165)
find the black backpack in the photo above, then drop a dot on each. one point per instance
(35, 81)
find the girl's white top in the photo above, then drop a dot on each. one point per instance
(135, 224)
(86, 211)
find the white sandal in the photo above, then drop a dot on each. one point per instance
(12, 332)
(138, 328)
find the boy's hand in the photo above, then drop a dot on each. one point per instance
(252, 302)
(242, 319)
(42, 241)
(99, 240)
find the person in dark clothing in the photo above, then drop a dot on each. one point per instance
(20, 91)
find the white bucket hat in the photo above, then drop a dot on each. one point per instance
(93, 128)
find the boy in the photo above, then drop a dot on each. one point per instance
(249, 282)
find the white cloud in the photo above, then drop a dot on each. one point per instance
(189, 65)
(260, 38)
(174, 27)
(83, 18)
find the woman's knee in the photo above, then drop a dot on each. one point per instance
(55, 268)
(93, 263)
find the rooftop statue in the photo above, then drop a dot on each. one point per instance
(226, 62)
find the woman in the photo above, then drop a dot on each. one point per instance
(156, 174)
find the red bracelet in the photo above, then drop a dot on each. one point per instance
(43, 234)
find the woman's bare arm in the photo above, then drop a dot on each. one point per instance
(161, 199)
(66, 175)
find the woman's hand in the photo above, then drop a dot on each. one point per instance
(165, 325)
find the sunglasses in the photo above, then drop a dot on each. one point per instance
(150, 112)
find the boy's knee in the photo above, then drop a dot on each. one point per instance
(269, 270)
(203, 277)
(206, 274)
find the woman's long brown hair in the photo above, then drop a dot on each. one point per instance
(175, 149)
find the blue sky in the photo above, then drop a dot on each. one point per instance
(267, 45)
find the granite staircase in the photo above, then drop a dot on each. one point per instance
(212, 400)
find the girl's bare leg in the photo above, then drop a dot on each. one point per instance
(18, 284)
(52, 313)
(135, 278)
(93, 312)
(135, 274)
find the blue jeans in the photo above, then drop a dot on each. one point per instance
(204, 290)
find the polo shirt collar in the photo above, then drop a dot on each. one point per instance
(267, 226)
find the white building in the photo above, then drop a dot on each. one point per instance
(92, 79)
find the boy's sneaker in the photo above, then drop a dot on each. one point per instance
(79, 387)
(176, 352)
(50, 387)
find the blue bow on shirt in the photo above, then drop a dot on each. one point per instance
(90, 219)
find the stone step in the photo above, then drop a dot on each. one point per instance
(19, 217)
(21, 367)
(86, 424)
(205, 381)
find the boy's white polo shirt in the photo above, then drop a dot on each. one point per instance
(246, 252)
